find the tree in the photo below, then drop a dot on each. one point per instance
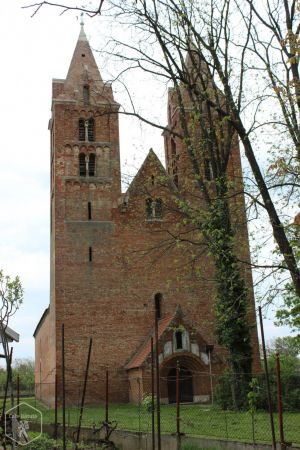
(278, 56)
(235, 55)
(213, 82)
(11, 296)
(24, 369)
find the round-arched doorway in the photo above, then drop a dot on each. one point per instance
(185, 385)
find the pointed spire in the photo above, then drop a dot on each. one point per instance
(83, 66)
(82, 35)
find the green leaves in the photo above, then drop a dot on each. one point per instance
(11, 295)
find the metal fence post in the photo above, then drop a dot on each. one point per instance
(63, 385)
(55, 410)
(152, 396)
(267, 379)
(178, 406)
(83, 392)
(106, 396)
(18, 395)
(279, 403)
(157, 383)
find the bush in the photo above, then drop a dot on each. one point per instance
(230, 392)
(290, 391)
(147, 402)
(42, 443)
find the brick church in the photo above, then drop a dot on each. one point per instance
(114, 260)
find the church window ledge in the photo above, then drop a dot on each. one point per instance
(91, 143)
(87, 179)
(154, 220)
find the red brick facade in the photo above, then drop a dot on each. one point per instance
(111, 253)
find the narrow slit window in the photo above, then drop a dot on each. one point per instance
(173, 149)
(92, 163)
(91, 129)
(86, 95)
(81, 129)
(82, 165)
(178, 337)
(157, 301)
(149, 208)
(174, 159)
(89, 210)
(158, 208)
(208, 171)
(90, 254)
(176, 181)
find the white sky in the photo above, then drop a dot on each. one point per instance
(35, 50)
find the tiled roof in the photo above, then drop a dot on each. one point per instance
(140, 357)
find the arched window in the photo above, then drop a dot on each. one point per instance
(81, 128)
(208, 170)
(89, 210)
(158, 300)
(158, 208)
(178, 339)
(86, 94)
(173, 149)
(82, 165)
(92, 161)
(154, 208)
(91, 129)
(176, 180)
(174, 158)
(149, 208)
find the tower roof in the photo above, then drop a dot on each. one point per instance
(83, 72)
(83, 67)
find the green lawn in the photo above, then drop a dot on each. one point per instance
(195, 420)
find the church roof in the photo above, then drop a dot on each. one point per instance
(140, 357)
(83, 64)
(40, 322)
(154, 162)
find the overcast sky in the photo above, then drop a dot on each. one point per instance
(35, 50)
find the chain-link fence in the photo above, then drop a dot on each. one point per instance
(192, 403)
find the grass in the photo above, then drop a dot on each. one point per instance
(195, 420)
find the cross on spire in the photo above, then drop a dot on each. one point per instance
(81, 21)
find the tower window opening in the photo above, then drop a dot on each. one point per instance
(173, 150)
(158, 208)
(158, 300)
(81, 127)
(178, 338)
(82, 165)
(154, 208)
(174, 158)
(90, 254)
(149, 208)
(176, 181)
(208, 170)
(89, 210)
(92, 164)
(91, 129)
(86, 94)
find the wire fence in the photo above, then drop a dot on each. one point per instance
(192, 403)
